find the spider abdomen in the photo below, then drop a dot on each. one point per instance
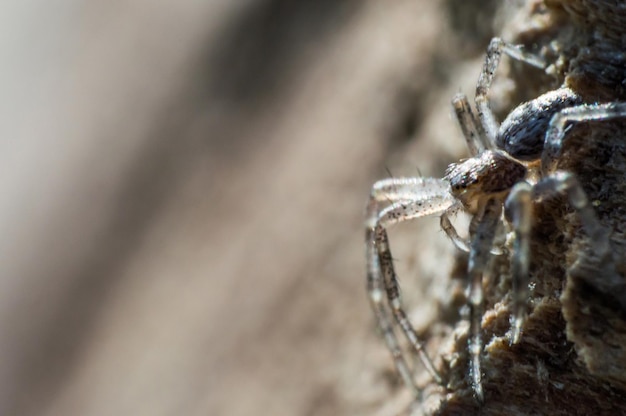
(522, 133)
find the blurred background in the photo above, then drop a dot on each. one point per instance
(182, 193)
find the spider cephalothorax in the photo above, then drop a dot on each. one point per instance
(492, 174)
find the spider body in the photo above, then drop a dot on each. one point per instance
(495, 179)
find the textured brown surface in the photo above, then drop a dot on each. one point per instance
(182, 201)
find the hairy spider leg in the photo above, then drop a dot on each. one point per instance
(472, 130)
(494, 53)
(485, 224)
(518, 208)
(375, 290)
(393, 296)
(393, 190)
(558, 127)
(407, 198)
(387, 191)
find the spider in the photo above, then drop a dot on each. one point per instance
(512, 165)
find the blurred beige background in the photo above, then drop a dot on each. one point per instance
(182, 190)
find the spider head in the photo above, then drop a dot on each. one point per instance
(523, 132)
(491, 174)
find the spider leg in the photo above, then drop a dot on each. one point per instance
(408, 198)
(485, 226)
(385, 191)
(518, 208)
(393, 296)
(494, 52)
(375, 289)
(557, 129)
(472, 130)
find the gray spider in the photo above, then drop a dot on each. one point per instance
(512, 165)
